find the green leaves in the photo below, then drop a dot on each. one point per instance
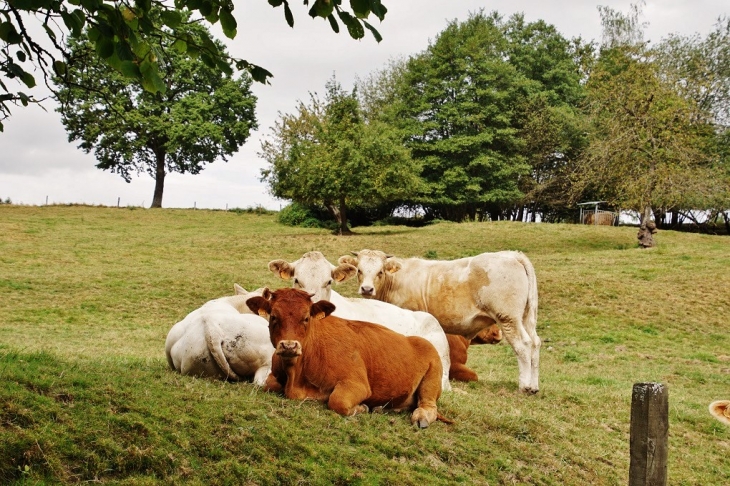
(9, 34)
(228, 23)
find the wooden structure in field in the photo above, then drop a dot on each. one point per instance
(591, 214)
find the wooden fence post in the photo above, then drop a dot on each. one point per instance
(649, 435)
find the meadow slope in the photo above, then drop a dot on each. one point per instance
(87, 295)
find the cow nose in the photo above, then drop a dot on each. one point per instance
(367, 290)
(289, 349)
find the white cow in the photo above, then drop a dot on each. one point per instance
(465, 295)
(314, 274)
(222, 339)
(720, 409)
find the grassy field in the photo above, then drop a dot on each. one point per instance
(88, 294)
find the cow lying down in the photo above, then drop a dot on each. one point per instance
(222, 339)
(721, 411)
(354, 366)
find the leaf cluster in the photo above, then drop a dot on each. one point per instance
(130, 38)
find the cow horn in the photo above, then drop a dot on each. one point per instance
(354, 253)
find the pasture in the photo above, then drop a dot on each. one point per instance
(88, 294)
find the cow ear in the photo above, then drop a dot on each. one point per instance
(392, 266)
(281, 268)
(259, 305)
(322, 309)
(347, 259)
(343, 271)
(239, 290)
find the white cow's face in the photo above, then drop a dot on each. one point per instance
(313, 274)
(373, 267)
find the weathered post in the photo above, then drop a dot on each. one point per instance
(649, 435)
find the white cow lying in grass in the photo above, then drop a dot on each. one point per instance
(222, 339)
(721, 411)
(314, 274)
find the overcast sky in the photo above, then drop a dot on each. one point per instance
(37, 163)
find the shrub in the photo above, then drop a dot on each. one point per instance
(296, 214)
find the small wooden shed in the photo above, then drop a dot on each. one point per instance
(591, 213)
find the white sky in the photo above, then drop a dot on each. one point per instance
(37, 163)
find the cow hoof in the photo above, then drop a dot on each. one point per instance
(358, 409)
(530, 391)
(379, 409)
(422, 423)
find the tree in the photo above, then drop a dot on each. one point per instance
(467, 105)
(131, 40)
(699, 70)
(647, 144)
(202, 115)
(326, 154)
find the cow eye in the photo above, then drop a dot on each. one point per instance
(296, 282)
(329, 283)
(380, 273)
(273, 321)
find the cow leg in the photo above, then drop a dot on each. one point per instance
(535, 376)
(515, 334)
(347, 397)
(261, 375)
(428, 393)
(462, 372)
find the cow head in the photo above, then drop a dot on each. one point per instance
(373, 269)
(490, 335)
(313, 273)
(290, 313)
(720, 409)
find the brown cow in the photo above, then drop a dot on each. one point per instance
(458, 346)
(721, 411)
(352, 365)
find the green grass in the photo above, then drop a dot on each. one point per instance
(87, 295)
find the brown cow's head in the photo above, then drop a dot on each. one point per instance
(720, 409)
(373, 267)
(313, 273)
(290, 313)
(490, 335)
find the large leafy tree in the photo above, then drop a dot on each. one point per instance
(203, 114)
(699, 70)
(547, 113)
(326, 154)
(648, 144)
(33, 37)
(469, 104)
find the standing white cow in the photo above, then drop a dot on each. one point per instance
(314, 274)
(465, 295)
(222, 339)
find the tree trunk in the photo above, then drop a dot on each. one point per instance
(647, 229)
(339, 212)
(159, 179)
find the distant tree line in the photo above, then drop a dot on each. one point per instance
(503, 119)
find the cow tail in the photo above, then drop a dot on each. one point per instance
(213, 339)
(443, 419)
(530, 317)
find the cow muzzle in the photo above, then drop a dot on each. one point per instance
(289, 349)
(367, 291)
